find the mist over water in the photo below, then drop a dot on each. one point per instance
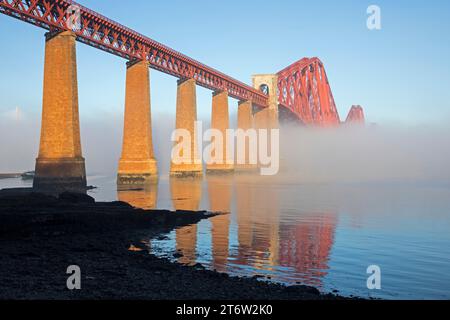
(19, 142)
(101, 142)
(334, 155)
(366, 154)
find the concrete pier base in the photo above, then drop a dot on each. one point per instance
(60, 175)
(137, 164)
(186, 117)
(136, 179)
(60, 166)
(220, 121)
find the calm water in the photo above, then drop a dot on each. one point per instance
(321, 235)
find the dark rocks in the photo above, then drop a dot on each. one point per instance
(76, 198)
(177, 255)
(199, 266)
(15, 193)
(303, 289)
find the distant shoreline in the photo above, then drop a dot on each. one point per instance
(10, 175)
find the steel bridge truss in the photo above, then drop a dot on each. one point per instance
(100, 32)
(303, 88)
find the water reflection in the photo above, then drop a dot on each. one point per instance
(186, 239)
(144, 196)
(186, 194)
(250, 234)
(306, 247)
(219, 193)
(265, 212)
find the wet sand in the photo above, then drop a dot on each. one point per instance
(40, 236)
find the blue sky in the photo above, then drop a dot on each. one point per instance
(400, 74)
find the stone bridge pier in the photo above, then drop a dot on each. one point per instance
(246, 121)
(220, 121)
(137, 164)
(60, 165)
(190, 164)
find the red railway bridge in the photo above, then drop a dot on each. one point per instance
(299, 93)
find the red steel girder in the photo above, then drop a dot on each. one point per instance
(303, 88)
(356, 115)
(100, 32)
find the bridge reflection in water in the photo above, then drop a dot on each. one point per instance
(186, 194)
(144, 197)
(254, 235)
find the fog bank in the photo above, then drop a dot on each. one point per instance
(366, 154)
(371, 154)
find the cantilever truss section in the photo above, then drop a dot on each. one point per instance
(303, 89)
(100, 32)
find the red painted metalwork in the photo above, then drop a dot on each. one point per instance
(303, 89)
(356, 115)
(100, 32)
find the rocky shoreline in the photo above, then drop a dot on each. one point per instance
(40, 236)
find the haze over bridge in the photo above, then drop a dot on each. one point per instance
(300, 93)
